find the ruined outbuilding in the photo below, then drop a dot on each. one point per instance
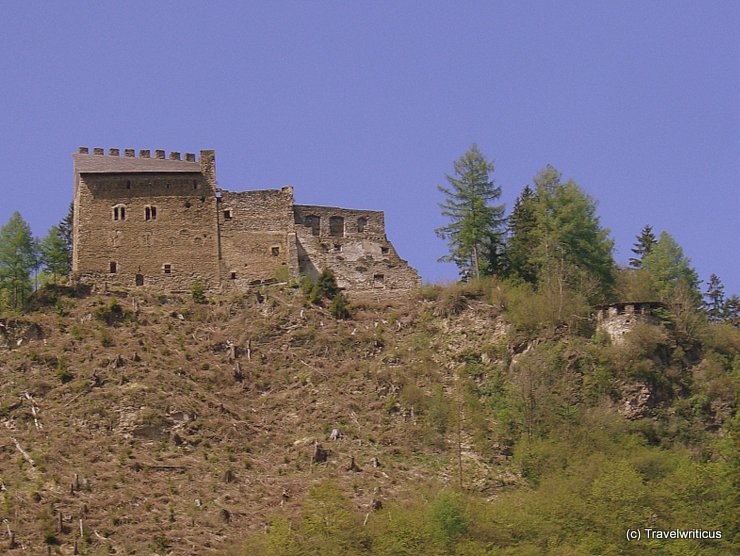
(162, 222)
(616, 319)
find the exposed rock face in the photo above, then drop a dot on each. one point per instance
(163, 223)
(636, 400)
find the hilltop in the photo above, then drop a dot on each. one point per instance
(137, 423)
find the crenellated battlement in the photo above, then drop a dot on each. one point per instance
(158, 219)
(159, 154)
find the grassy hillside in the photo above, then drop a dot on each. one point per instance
(477, 424)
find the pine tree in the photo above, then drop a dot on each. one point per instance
(66, 232)
(54, 254)
(731, 311)
(643, 246)
(715, 299)
(522, 236)
(475, 232)
(18, 259)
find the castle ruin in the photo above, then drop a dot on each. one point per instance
(161, 222)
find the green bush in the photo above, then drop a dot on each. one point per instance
(338, 307)
(198, 293)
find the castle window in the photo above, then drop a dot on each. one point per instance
(275, 251)
(314, 222)
(378, 280)
(233, 275)
(336, 226)
(113, 267)
(361, 224)
(384, 250)
(151, 213)
(187, 204)
(195, 184)
(139, 279)
(119, 212)
(167, 268)
(228, 214)
(337, 248)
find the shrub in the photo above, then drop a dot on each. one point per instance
(198, 292)
(110, 313)
(338, 307)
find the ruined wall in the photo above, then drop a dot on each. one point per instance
(618, 319)
(149, 222)
(353, 244)
(254, 228)
(162, 223)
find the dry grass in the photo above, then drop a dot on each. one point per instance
(148, 439)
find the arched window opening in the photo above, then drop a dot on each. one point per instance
(336, 226)
(314, 222)
(119, 212)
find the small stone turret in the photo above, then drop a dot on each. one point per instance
(616, 319)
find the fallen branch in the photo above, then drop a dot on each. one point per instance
(24, 453)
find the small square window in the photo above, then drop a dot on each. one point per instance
(275, 251)
(228, 214)
(167, 268)
(233, 275)
(384, 250)
(337, 248)
(378, 280)
(113, 267)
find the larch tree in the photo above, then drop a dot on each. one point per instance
(671, 270)
(18, 260)
(571, 248)
(475, 233)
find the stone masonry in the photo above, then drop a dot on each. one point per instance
(162, 223)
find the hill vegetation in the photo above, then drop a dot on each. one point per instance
(492, 416)
(469, 419)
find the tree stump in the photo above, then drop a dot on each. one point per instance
(319, 454)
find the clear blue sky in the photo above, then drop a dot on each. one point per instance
(366, 105)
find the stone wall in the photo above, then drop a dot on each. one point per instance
(353, 244)
(254, 228)
(161, 222)
(152, 228)
(618, 319)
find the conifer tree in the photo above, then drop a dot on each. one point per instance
(475, 232)
(715, 299)
(18, 259)
(671, 271)
(643, 246)
(66, 231)
(571, 247)
(54, 254)
(522, 236)
(731, 310)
